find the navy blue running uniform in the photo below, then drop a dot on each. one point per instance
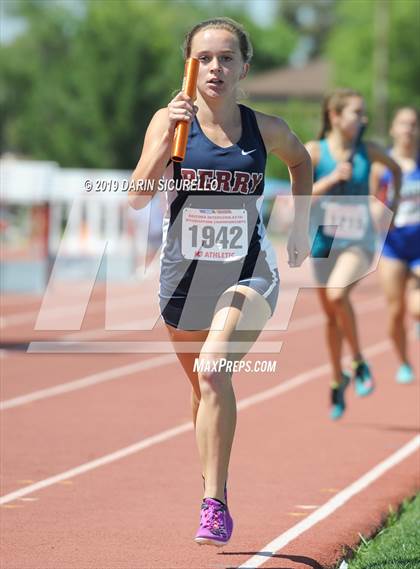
(403, 240)
(213, 234)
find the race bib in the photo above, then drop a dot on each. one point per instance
(345, 221)
(214, 234)
(408, 213)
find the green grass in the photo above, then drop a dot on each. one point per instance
(396, 546)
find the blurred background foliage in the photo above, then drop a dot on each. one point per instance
(81, 80)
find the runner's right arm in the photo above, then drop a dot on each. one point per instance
(342, 173)
(376, 173)
(157, 148)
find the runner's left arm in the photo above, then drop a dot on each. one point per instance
(377, 155)
(284, 144)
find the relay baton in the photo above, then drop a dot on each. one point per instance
(182, 127)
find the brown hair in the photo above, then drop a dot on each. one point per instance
(335, 101)
(228, 24)
(405, 108)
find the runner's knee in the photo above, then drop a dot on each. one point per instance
(396, 310)
(414, 304)
(337, 296)
(214, 374)
(195, 395)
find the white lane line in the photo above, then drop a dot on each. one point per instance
(107, 459)
(24, 317)
(183, 428)
(87, 381)
(18, 300)
(315, 319)
(303, 323)
(57, 313)
(305, 377)
(331, 506)
(126, 327)
(95, 305)
(115, 373)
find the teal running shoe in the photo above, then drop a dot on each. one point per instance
(363, 379)
(338, 404)
(405, 374)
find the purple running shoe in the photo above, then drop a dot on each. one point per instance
(216, 524)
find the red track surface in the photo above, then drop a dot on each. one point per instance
(141, 511)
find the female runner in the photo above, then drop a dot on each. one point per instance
(344, 243)
(399, 267)
(219, 281)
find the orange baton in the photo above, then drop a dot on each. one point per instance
(182, 127)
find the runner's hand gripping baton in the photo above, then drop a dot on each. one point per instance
(182, 127)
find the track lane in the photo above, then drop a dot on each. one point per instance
(113, 514)
(116, 515)
(95, 405)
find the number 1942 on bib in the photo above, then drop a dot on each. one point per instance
(214, 234)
